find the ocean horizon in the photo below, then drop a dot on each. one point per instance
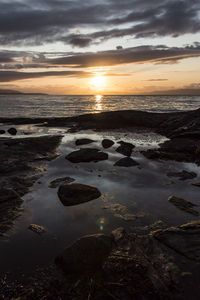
(70, 105)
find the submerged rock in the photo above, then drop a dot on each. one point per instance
(76, 193)
(183, 239)
(56, 182)
(37, 228)
(183, 175)
(106, 143)
(183, 204)
(125, 148)
(12, 131)
(83, 141)
(86, 155)
(86, 254)
(126, 162)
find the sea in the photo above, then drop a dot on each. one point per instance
(32, 106)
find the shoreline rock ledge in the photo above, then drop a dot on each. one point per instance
(76, 193)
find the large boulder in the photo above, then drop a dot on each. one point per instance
(86, 254)
(83, 141)
(76, 193)
(86, 155)
(106, 143)
(125, 148)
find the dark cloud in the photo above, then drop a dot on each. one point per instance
(7, 76)
(153, 54)
(38, 22)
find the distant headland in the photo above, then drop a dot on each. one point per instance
(14, 92)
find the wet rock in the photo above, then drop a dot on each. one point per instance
(126, 162)
(10, 202)
(83, 141)
(183, 239)
(86, 155)
(75, 193)
(56, 182)
(183, 175)
(37, 228)
(125, 148)
(196, 184)
(178, 149)
(106, 143)
(12, 131)
(2, 131)
(183, 204)
(86, 254)
(9, 195)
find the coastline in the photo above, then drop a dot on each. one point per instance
(162, 281)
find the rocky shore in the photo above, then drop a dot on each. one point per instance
(163, 263)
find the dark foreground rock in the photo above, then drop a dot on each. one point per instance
(126, 162)
(86, 155)
(184, 205)
(12, 131)
(75, 193)
(106, 143)
(125, 148)
(84, 141)
(183, 175)
(22, 161)
(160, 265)
(87, 254)
(56, 182)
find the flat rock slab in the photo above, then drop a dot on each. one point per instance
(125, 148)
(126, 162)
(184, 239)
(183, 175)
(84, 141)
(86, 155)
(76, 193)
(106, 143)
(37, 228)
(183, 204)
(56, 182)
(86, 254)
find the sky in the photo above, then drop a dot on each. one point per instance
(100, 46)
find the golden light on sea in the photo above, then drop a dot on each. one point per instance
(98, 103)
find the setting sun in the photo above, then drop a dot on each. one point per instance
(98, 82)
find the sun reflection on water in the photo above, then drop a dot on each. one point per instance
(98, 99)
